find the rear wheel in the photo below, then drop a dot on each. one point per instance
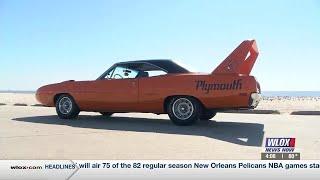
(66, 107)
(207, 115)
(106, 114)
(184, 111)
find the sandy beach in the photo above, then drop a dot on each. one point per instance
(15, 98)
(286, 104)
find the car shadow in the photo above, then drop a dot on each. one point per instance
(247, 134)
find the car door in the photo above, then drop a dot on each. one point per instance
(117, 92)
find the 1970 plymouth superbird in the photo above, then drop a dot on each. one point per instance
(161, 86)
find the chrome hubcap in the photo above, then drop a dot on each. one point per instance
(182, 108)
(65, 105)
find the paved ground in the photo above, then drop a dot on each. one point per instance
(36, 133)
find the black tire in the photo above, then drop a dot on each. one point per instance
(66, 107)
(184, 111)
(207, 115)
(106, 114)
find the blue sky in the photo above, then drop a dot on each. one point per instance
(50, 41)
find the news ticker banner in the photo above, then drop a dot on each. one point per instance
(146, 169)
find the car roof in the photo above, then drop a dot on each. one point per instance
(155, 64)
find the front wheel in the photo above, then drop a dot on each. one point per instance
(66, 107)
(184, 111)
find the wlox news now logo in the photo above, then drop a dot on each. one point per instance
(280, 144)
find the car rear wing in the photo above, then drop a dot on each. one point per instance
(241, 60)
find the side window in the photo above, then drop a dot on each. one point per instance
(121, 73)
(156, 73)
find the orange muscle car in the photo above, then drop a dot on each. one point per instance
(161, 86)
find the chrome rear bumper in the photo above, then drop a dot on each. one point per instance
(254, 100)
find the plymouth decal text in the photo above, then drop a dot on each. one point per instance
(207, 87)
